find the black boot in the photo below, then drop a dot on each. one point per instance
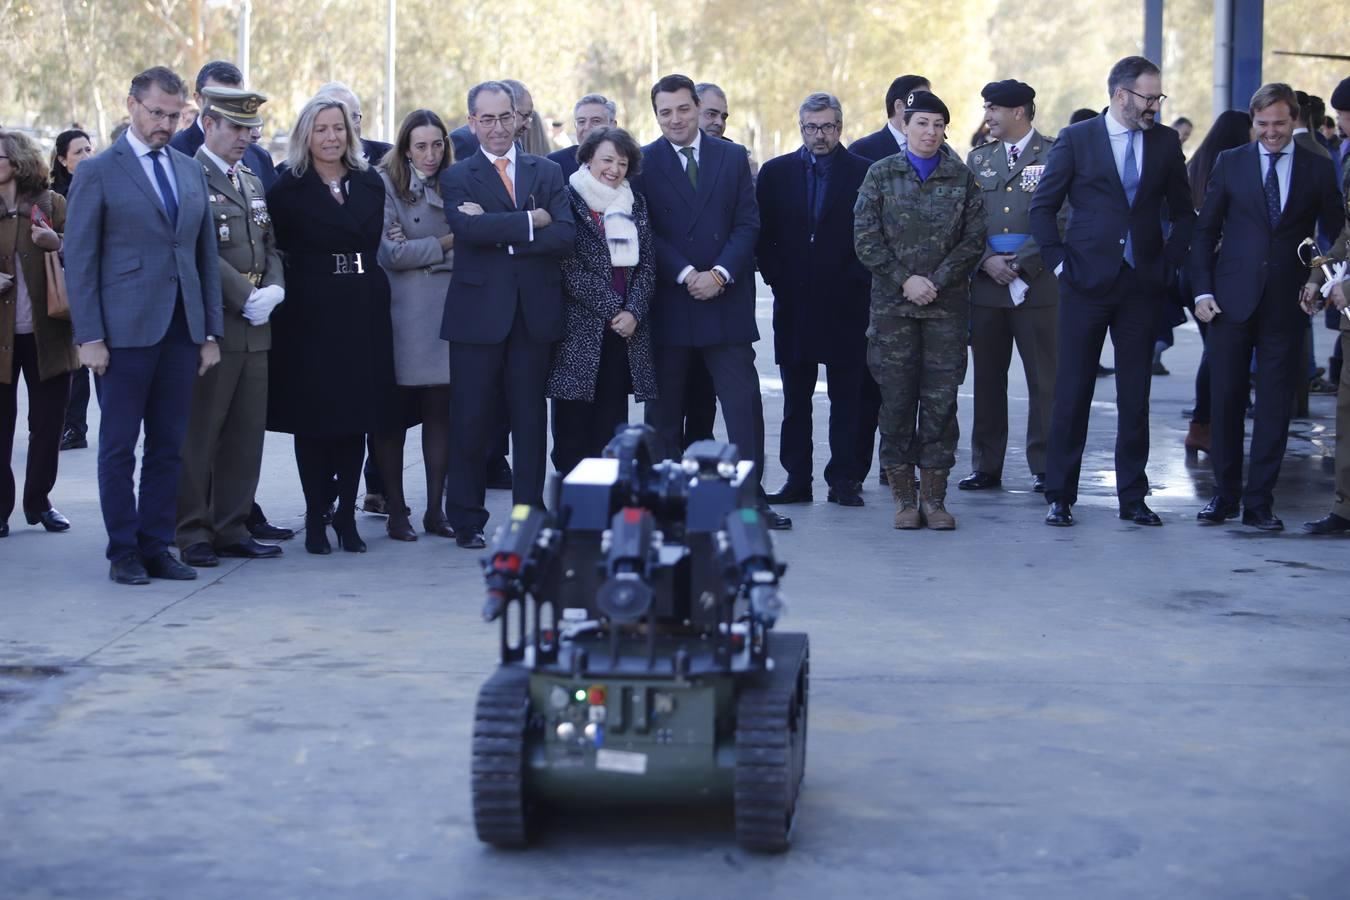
(344, 523)
(316, 534)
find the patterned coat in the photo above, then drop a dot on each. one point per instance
(592, 302)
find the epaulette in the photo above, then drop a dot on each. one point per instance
(240, 167)
(989, 143)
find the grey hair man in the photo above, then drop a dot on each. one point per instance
(712, 109)
(590, 112)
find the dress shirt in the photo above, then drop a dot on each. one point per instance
(1020, 145)
(1119, 134)
(221, 164)
(1283, 168)
(684, 164)
(898, 135)
(142, 151)
(510, 157)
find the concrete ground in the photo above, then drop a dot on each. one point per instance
(1009, 710)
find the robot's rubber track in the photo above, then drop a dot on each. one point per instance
(501, 812)
(771, 747)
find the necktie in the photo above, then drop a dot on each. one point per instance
(231, 174)
(501, 165)
(1273, 190)
(165, 188)
(1130, 179)
(1013, 153)
(691, 167)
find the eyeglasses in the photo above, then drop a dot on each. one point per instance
(710, 113)
(506, 120)
(160, 115)
(827, 129)
(1149, 100)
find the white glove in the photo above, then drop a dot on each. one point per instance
(258, 308)
(1337, 276)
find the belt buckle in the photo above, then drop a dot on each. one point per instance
(348, 264)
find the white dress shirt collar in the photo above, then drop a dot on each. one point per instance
(1020, 145)
(509, 156)
(697, 145)
(220, 164)
(897, 134)
(140, 147)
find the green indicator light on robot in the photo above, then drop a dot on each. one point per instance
(580, 696)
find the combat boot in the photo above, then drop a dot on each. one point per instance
(901, 480)
(932, 499)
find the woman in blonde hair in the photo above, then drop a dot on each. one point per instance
(32, 218)
(331, 369)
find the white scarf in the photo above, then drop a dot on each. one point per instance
(616, 205)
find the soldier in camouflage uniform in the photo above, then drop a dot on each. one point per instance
(919, 228)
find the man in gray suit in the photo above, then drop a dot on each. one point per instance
(144, 281)
(1014, 297)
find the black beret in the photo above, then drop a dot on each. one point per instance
(1340, 98)
(1009, 92)
(928, 102)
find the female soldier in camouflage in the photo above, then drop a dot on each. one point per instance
(919, 228)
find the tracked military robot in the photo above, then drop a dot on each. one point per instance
(639, 661)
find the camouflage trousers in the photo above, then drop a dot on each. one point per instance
(919, 364)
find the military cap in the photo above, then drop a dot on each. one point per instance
(1009, 92)
(234, 104)
(1340, 98)
(927, 102)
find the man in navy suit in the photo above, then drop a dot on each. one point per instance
(144, 279)
(1262, 200)
(1121, 173)
(188, 141)
(705, 223)
(821, 295)
(887, 141)
(513, 224)
(591, 112)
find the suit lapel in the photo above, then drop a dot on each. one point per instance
(127, 157)
(486, 175)
(1103, 140)
(526, 176)
(217, 181)
(669, 164)
(1030, 156)
(711, 156)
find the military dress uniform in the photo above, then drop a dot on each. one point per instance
(1339, 520)
(1024, 312)
(903, 226)
(223, 453)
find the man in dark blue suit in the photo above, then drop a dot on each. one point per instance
(591, 112)
(705, 223)
(1262, 200)
(1121, 174)
(144, 277)
(513, 224)
(464, 141)
(188, 141)
(821, 295)
(886, 141)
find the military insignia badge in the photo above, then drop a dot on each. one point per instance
(258, 207)
(223, 233)
(987, 173)
(1031, 178)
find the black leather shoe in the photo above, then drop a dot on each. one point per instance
(437, 524)
(844, 495)
(1218, 511)
(316, 534)
(51, 519)
(775, 521)
(791, 493)
(201, 555)
(1328, 524)
(1060, 515)
(1038, 482)
(470, 539)
(1139, 513)
(128, 570)
(249, 549)
(73, 440)
(165, 566)
(1263, 519)
(499, 475)
(1103, 371)
(266, 531)
(4, 529)
(979, 481)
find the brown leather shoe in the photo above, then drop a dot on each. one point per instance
(1197, 438)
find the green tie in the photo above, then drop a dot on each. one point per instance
(692, 168)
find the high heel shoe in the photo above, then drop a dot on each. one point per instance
(1197, 438)
(399, 528)
(316, 535)
(436, 523)
(344, 524)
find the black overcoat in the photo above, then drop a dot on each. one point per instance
(821, 292)
(331, 369)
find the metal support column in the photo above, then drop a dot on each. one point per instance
(1153, 31)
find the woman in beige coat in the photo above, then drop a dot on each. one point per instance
(416, 252)
(31, 342)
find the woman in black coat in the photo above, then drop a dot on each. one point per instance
(331, 369)
(608, 280)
